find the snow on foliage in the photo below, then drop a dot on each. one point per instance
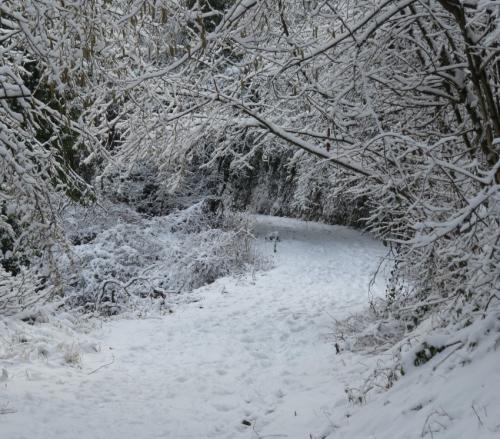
(121, 259)
(399, 99)
(22, 292)
(49, 336)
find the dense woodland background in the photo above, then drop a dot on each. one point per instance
(382, 115)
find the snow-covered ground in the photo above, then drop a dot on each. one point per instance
(247, 358)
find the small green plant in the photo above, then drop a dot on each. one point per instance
(426, 353)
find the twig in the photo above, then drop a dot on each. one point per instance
(267, 435)
(460, 346)
(103, 366)
(493, 296)
(478, 418)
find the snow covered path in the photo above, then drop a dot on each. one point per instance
(252, 351)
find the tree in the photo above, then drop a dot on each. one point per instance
(67, 89)
(401, 98)
(401, 95)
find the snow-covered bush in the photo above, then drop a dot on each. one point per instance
(60, 65)
(121, 258)
(51, 335)
(22, 291)
(431, 347)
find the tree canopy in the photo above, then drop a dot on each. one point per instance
(400, 98)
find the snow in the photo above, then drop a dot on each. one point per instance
(454, 395)
(248, 358)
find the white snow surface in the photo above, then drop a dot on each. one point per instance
(256, 350)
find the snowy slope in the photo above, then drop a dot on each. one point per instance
(247, 358)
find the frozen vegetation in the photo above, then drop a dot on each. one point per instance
(249, 218)
(120, 258)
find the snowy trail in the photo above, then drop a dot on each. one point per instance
(256, 350)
